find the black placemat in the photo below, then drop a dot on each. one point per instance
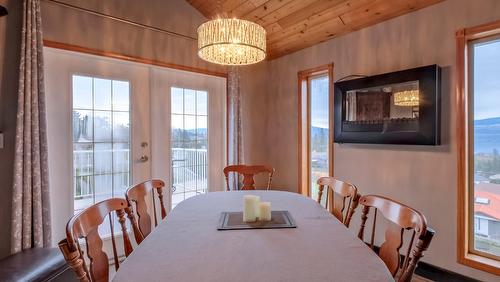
(234, 221)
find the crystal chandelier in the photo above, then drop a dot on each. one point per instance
(231, 42)
(407, 98)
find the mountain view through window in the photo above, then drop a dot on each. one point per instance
(319, 151)
(486, 145)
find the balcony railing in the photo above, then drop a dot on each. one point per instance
(85, 168)
(189, 172)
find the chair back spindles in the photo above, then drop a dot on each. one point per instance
(248, 172)
(400, 218)
(364, 217)
(99, 264)
(353, 205)
(126, 240)
(162, 204)
(341, 198)
(372, 238)
(420, 247)
(389, 250)
(85, 225)
(408, 251)
(113, 243)
(136, 196)
(320, 194)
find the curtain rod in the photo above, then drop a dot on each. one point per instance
(120, 19)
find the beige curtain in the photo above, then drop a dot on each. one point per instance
(235, 133)
(30, 200)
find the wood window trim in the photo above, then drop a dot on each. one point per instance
(303, 171)
(464, 254)
(109, 54)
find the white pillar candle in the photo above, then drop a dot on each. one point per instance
(250, 208)
(265, 211)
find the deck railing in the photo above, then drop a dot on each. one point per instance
(189, 170)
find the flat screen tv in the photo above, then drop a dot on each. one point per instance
(400, 107)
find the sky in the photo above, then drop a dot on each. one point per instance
(103, 96)
(487, 80)
(319, 102)
(189, 108)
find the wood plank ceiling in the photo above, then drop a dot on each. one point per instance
(292, 25)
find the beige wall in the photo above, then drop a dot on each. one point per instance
(10, 36)
(67, 25)
(423, 177)
(253, 87)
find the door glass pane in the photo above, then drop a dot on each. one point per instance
(102, 126)
(189, 102)
(82, 92)
(201, 102)
(83, 125)
(319, 131)
(201, 128)
(101, 140)
(121, 154)
(103, 159)
(189, 143)
(177, 97)
(121, 96)
(121, 126)
(102, 94)
(486, 82)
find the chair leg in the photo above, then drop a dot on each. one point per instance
(74, 260)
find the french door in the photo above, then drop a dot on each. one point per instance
(114, 123)
(97, 119)
(189, 118)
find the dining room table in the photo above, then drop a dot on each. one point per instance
(187, 245)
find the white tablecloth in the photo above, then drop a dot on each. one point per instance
(188, 247)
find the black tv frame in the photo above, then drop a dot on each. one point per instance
(429, 129)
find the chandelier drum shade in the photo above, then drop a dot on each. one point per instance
(407, 98)
(231, 42)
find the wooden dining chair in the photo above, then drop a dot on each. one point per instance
(400, 218)
(84, 225)
(341, 198)
(248, 172)
(137, 195)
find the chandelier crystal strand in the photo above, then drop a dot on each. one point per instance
(231, 42)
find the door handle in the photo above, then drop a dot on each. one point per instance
(143, 159)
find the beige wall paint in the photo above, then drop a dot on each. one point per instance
(10, 42)
(67, 25)
(423, 177)
(253, 87)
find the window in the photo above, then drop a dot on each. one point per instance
(189, 143)
(101, 139)
(315, 134)
(479, 145)
(318, 131)
(485, 135)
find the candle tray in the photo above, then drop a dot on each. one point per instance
(234, 221)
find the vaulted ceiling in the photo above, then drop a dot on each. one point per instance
(292, 25)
